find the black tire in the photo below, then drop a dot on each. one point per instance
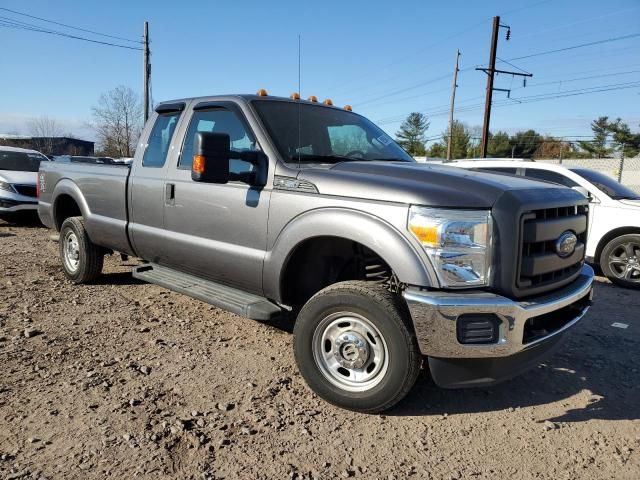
(90, 257)
(388, 314)
(617, 255)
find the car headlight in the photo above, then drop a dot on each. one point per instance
(5, 186)
(458, 242)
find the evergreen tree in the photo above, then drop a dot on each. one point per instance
(598, 147)
(411, 135)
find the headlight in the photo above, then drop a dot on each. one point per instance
(5, 186)
(458, 243)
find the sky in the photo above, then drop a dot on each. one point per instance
(386, 59)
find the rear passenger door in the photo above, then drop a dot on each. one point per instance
(217, 231)
(147, 183)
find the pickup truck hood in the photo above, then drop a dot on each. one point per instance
(19, 178)
(417, 183)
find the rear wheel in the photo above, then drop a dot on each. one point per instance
(82, 260)
(355, 346)
(620, 260)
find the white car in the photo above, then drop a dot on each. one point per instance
(18, 177)
(613, 241)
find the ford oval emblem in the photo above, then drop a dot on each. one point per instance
(566, 244)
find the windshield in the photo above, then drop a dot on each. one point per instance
(20, 161)
(325, 134)
(607, 184)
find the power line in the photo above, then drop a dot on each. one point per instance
(69, 26)
(573, 47)
(34, 28)
(524, 100)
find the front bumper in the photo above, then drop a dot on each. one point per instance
(17, 203)
(435, 317)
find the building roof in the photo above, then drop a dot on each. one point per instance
(11, 136)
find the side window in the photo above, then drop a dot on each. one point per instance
(548, 176)
(347, 139)
(511, 171)
(160, 139)
(219, 120)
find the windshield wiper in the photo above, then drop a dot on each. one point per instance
(306, 157)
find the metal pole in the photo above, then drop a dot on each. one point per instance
(513, 150)
(453, 100)
(489, 96)
(621, 164)
(146, 70)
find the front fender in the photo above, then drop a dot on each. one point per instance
(407, 260)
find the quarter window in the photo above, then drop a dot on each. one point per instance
(220, 120)
(155, 155)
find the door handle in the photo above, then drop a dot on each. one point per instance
(170, 193)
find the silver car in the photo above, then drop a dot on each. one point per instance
(18, 178)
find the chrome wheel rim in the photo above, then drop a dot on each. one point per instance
(624, 261)
(71, 252)
(350, 351)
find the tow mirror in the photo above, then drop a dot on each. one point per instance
(211, 157)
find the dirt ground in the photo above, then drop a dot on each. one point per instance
(123, 379)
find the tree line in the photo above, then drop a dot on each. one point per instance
(610, 137)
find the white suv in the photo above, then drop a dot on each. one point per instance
(614, 213)
(18, 174)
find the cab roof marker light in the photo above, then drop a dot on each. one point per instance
(313, 98)
(328, 101)
(262, 93)
(348, 108)
(295, 96)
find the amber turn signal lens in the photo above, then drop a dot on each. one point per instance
(427, 234)
(348, 108)
(313, 98)
(295, 96)
(328, 102)
(198, 164)
(262, 93)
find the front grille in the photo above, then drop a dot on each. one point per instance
(540, 265)
(26, 190)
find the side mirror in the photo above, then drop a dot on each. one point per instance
(583, 191)
(211, 157)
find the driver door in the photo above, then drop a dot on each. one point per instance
(217, 231)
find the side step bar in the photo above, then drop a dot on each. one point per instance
(227, 298)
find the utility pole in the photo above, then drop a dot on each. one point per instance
(491, 71)
(146, 70)
(453, 100)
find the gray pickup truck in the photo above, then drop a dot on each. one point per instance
(270, 207)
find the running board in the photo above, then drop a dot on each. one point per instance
(227, 298)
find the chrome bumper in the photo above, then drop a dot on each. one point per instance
(435, 315)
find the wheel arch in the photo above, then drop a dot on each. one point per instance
(344, 225)
(617, 232)
(68, 201)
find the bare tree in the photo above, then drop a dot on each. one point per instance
(45, 131)
(117, 121)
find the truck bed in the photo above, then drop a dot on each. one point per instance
(101, 192)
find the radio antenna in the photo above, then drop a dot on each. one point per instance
(299, 100)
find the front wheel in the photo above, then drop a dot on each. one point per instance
(355, 346)
(82, 260)
(620, 260)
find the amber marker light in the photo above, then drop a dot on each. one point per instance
(328, 102)
(313, 98)
(348, 108)
(262, 93)
(198, 164)
(427, 234)
(295, 96)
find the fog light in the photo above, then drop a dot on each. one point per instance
(478, 328)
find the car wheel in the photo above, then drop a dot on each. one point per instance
(355, 346)
(82, 260)
(620, 260)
